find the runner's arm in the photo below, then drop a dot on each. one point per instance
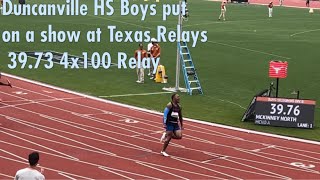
(165, 115)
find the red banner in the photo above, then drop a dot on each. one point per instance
(278, 69)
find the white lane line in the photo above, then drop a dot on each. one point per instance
(122, 22)
(303, 32)
(301, 150)
(118, 174)
(14, 155)
(260, 149)
(299, 154)
(45, 147)
(247, 49)
(166, 172)
(30, 149)
(259, 163)
(288, 157)
(27, 102)
(275, 175)
(33, 125)
(202, 167)
(69, 177)
(276, 160)
(60, 143)
(140, 94)
(6, 175)
(127, 172)
(178, 169)
(222, 157)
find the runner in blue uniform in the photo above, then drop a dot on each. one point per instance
(172, 122)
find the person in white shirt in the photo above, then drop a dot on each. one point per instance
(223, 11)
(270, 7)
(280, 2)
(149, 56)
(30, 173)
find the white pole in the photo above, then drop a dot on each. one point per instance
(178, 53)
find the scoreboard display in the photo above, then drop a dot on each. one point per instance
(298, 113)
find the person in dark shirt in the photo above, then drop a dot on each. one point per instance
(7, 83)
(22, 1)
(172, 122)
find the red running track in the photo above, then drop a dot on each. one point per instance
(81, 137)
(289, 3)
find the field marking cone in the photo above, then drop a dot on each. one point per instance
(158, 78)
(163, 74)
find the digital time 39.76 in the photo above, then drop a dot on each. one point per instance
(284, 112)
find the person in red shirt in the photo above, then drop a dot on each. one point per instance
(223, 11)
(155, 52)
(270, 6)
(140, 70)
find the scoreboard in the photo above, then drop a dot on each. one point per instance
(284, 112)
